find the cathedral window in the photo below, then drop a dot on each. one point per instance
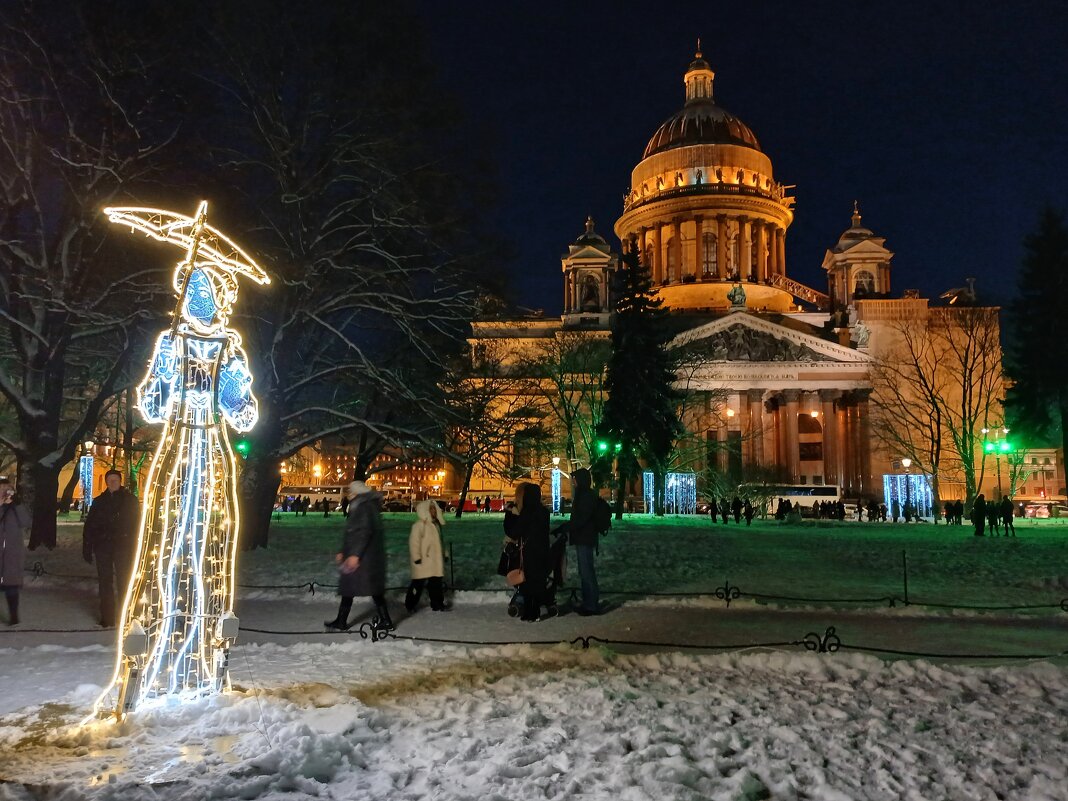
(863, 283)
(708, 254)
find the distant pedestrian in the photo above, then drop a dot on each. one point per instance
(14, 520)
(747, 511)
(895, 509)
(979, 515)
(724, 510)
(1007, 508)
(361, 560)
(285, 503)
(110, 538)
(489, 508)
(326, 507)
(713, 511)
(583, 535)
(882, 512)
(736, 509)
(478, 503)
(993, 516)
(426, 558)
(345, 504)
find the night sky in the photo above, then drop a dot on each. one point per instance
(947, 121)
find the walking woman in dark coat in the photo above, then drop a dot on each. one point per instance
(531, 528)
(362, 558)
(14, 520)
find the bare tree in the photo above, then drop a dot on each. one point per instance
(85, 117)
(491, 418)
(356, 225)
(935, 388)
(567, 373)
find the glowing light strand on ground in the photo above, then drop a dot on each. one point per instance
(177, 621)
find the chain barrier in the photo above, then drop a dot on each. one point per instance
(726, 592)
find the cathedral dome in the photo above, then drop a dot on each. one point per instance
(700, 122)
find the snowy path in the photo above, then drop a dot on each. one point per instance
(396, 720)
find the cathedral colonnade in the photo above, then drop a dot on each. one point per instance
(712, 247)
(815, 436)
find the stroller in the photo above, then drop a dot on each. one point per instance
(557, 572)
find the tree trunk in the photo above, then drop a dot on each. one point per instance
(67, 498)
(259, 482)
(935, 496)
(463, 490)
(659, 488)
(621, 489)
(42, 486)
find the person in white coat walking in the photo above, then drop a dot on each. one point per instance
(427, 560)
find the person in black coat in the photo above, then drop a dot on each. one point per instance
(713, 512)
(1007, 509)
(583, 535)
(362, 558)
(531, 529)
(110, 537)
(736, 509)
(979, 515)
(748, 512)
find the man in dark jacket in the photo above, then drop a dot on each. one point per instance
(979, 514)
(362, 558)
(110, 536)
(1007, 509)
(583, 535)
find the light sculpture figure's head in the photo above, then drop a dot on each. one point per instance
(209, 296)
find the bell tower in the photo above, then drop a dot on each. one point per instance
(858, 266)
(587, 267)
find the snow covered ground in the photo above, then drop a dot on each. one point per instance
(335, 716)
(396, 720)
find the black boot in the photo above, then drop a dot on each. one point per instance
(13, 608)
(341, 621)
(384, 620)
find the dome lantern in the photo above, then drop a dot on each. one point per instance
(698, 78)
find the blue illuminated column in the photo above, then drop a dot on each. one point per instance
(556, 490)
(85, 474)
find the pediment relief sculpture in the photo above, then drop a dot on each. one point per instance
(740, 343)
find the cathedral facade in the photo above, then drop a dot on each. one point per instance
(782, 373)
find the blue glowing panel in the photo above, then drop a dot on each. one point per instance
(85, 475)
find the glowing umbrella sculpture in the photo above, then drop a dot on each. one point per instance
(177, 620)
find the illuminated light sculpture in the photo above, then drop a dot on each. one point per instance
(85, 477)
(177, 619)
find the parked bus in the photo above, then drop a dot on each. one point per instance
(330, 492)
(804, 495)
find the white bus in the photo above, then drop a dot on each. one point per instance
(331, 492)
(805, 495)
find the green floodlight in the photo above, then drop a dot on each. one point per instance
(602, 446)
(989, 447)
(241, 446)
(619, 447)
(1006, 446)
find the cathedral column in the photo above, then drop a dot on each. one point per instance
(780, 236)
(744, 425)
(676, 247)
(699, 248)
(721, 247)
(864, 439)
(761, 235)
(830, 437)
(569, 292)
(848, 473)
(658, 257)
(793, 457)
(756, 424)
(745, 249)
(772, 251)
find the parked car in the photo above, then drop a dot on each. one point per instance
(1041, 511)
(397, 505)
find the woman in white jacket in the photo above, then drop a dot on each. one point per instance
(427, 562)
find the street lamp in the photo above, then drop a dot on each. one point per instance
(997, 447)
(906, 463)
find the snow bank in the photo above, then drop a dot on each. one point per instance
(400, 720)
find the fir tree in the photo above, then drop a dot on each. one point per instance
(1037, 356)
(641, 413)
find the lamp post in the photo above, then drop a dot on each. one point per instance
(997, 447)
(906, 463)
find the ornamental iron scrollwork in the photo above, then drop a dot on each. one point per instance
(829, 643)
(727, 593)
(375, 630)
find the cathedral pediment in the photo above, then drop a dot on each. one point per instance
(588, 253)
(743, 337)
